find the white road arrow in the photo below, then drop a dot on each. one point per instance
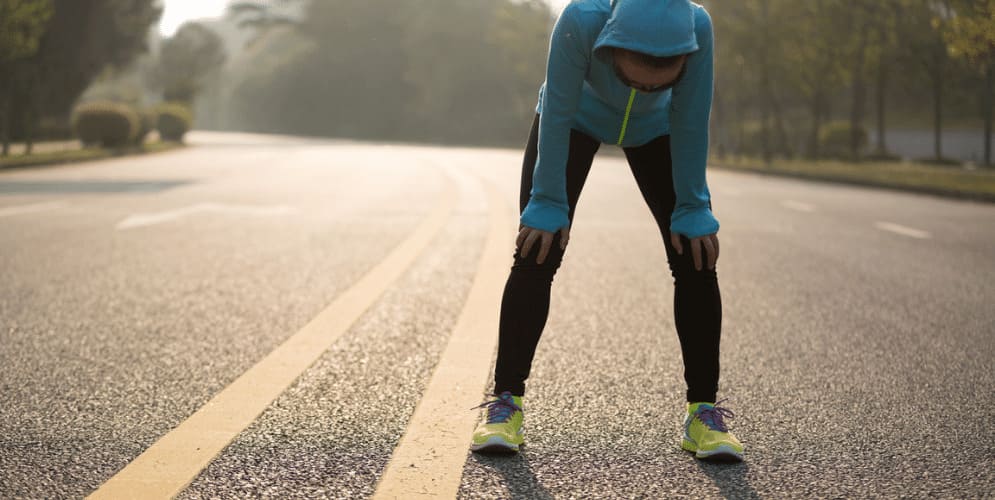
(139, 220)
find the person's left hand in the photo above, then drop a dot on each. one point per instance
(710, 242)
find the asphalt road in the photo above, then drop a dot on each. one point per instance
(857, 351)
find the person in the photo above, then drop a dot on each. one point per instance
(638, 74)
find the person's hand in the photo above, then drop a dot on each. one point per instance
(710, 242)
(528, 235)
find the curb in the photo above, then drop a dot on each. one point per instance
(100, 154)
(935, 191)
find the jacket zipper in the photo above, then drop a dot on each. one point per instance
(625, 121)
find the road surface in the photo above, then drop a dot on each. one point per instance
(857, 350)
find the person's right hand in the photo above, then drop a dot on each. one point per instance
(528, 235)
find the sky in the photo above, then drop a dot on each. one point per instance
(178, 12)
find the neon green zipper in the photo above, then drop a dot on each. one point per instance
(625, 121)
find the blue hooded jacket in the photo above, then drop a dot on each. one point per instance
(582, 91)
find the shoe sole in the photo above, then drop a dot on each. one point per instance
(722, 452)
(495, 444)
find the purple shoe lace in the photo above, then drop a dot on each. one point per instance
(500, 409)
(712, 416)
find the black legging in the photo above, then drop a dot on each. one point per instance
(525, 304)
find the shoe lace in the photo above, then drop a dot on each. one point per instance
(500, 409)
(712, 416)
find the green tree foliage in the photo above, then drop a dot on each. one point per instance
(790, 67)
(81, 38)
(970, 34)
(186, 59)
(22, 24)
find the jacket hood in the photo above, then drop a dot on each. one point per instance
(655, 27)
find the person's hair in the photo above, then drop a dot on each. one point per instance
(660, 62)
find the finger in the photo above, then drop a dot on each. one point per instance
(564, 238)
(675, 240)
(696, 253)
(710, 248)
(715, 238)
(547, 241)
(529, 240)
(522, 233)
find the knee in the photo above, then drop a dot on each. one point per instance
(682, 269)
(529, 265)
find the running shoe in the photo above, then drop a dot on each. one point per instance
(502, 430)
(707, 435)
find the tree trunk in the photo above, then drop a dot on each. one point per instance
(812, 151)
(859, 91)
(882, 89)
(29, 129)
(937, 113)
(765, 86)
(784, 144)
(988, 105)
(5, 123)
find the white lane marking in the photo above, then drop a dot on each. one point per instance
(34, 207)
(797, 205)
(172, 462)
(903, 230)
(139, 220)
(428, 461)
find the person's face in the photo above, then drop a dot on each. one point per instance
(646, 78)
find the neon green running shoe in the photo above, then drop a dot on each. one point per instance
(502, 430)
(706, 434)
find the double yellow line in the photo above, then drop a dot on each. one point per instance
(429, 459)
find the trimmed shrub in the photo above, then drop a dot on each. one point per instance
(147, 124)
(174, 121)
(105, 123)
(834, 140)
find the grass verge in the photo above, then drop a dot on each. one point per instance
(78, 155)
(955, 182)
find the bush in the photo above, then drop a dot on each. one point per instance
(941, 162)
(105, 123)
(174, 121)
(147, 123)
(834, 140)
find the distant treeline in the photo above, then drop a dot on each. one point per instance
(807, 78)
(794, 78)
(464, 71)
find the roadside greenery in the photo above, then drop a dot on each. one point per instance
(954, 181)
(793, 67)
(50, 52)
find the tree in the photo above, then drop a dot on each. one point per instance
(970, 34)
(22, 24)
(81, 39)
(814, 60)
(186, 59)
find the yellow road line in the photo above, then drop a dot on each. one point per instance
(172, 462)
(428, 461)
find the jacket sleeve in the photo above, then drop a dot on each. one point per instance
(691, 103)
(566, 67)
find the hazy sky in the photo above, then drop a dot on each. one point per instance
(179, 11)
